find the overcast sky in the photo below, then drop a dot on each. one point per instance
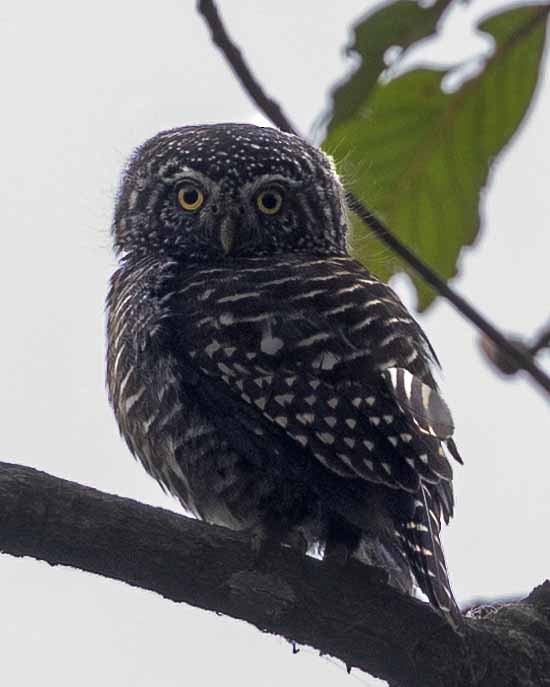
(82, 84)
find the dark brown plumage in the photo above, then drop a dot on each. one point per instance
(259, 373)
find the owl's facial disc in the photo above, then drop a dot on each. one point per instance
(210, 192)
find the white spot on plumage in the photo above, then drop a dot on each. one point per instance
(260, 402)
(349, 442)
(373, 302)
(301, 439)
(117, 359)
(309, 294)
(371, 400)
(326, 361)
(239, 297)
(125, 381)
(284, 399)
(333, 402)
(340, 308)
(388, 419)
(389, 338)
(369, 445)
(357, 401)
(174, 411)
(369, 464)
(407, 383)
(412, 356)
(205, 295)
(213, 347)
(196, 430)
(241, 369)
(345, 459)
(424, 458)
(406, 437)
(374, 420)
(325, 437)
(314, 338)
(281, 420)
(351, 423)
(393, 440)
(271, 345)
(387, 467)
(364, 323)
(331, 421)
(146, 425)
(130, 402)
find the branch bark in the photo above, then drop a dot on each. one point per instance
(521, 358)
(350, 613)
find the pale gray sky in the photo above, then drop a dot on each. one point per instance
(83, 83)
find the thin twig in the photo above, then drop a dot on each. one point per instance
(542, 341)
(273, 111)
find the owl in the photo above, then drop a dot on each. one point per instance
(260, 374)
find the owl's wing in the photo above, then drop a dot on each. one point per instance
(322, 353)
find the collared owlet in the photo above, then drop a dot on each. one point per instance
(258, 372)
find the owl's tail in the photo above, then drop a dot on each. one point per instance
(423, 548)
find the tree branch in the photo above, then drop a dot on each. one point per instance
(350, 613)
(521, 358)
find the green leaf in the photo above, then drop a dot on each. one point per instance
(420, 157)
(400, 24)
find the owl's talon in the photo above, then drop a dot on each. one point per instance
(337, 553)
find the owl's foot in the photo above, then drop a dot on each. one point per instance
(337, 553)
(341, 543)
(266, 539)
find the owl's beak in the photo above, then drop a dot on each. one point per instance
(227, 233)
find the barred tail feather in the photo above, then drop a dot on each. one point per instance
(425, 554)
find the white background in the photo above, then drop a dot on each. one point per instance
(82, 84)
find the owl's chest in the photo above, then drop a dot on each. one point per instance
(154, 408)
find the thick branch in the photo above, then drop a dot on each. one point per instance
(350, 613)
(522, 358)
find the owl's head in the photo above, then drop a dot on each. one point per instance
(229, 190)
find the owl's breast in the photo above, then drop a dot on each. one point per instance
(156, 396)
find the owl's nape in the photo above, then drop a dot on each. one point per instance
(260, 374)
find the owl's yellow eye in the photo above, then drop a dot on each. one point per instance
(190, 197)
(269, 201)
